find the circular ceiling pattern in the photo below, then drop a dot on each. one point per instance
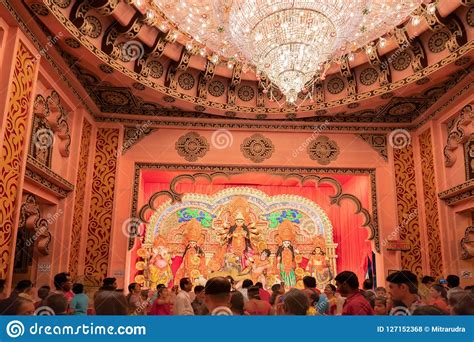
(437, 41)
(186, 81)
(246, 93)
(114, 98)
(156, 69)
(368, 76)
(402, 61)
(335, 85)
(216, 88)
(402, 109)
(95, 26)
(470, 16)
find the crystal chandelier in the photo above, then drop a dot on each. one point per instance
(286, 41)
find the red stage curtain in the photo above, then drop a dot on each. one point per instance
(353, 246)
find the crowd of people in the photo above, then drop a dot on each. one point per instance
(404, 295)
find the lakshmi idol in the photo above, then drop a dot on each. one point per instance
(318, 264)
(285, 255)
(159, 265)
(193, 264)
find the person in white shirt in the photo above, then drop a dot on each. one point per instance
(182, 305)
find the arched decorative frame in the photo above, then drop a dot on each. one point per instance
(303, 175)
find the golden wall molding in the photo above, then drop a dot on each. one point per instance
(458, 193)
(13, 149)
(46, 179)
(80, 197)
(467, 244)
(431, 205)
(101, 207)
(407, 204)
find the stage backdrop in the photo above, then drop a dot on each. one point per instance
(353, 247)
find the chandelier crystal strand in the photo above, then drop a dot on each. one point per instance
(285, 40)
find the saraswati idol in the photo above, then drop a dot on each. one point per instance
(286, 253)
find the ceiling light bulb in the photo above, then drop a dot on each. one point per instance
(382, 42)
(202, 52)
(215, 59)
(189, 46)
(415, 20)
(431, 8)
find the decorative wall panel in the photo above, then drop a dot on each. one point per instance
(430, 205)
(101, 209)
(13, 148)
(80, 197)
(407, 210)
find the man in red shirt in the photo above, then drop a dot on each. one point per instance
(348, 286)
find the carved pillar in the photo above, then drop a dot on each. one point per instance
(430, 204)
(101, 206)
(15, 121)
(407, 209)
(79, 199)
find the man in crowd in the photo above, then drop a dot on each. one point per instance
(182, 305)
(198, 302)
(348, 286)
(403, 288)
(63, 285)
(217, 296)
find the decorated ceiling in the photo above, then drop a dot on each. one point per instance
(131, 70)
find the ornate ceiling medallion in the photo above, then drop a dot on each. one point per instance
(192, 146)
(323, 150)
(257, 148)
(437, 41)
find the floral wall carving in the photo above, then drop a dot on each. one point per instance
(407, 209)
(13, 148)
(192, 146)
(257, 148)
(323, 150)
(430, 205)
(101, 209)
(79, 199)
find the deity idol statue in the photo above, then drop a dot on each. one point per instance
(318, 264)
(159, 265)
(285, 255)
(260, 267)
(237, 232)
(193, 264)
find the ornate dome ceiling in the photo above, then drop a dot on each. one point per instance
(134, 70)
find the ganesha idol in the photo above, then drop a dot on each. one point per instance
(159, 265)
(193, 263)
